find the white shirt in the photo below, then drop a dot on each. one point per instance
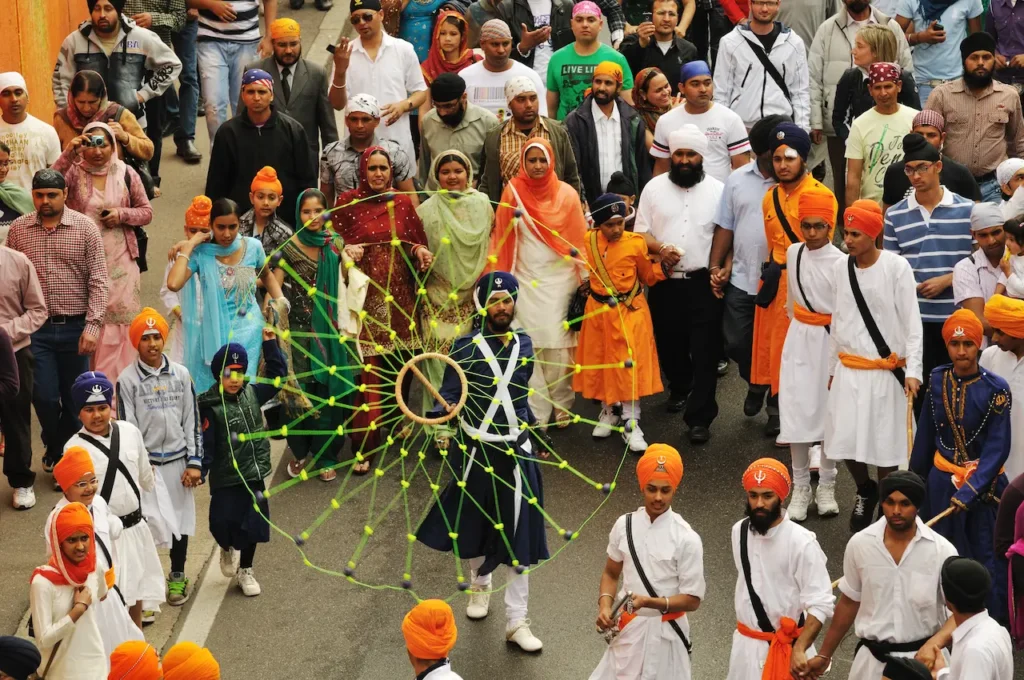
(727, 136)
(34, 145)
(975, 277)
(541, 10)
(487, 88)
(609, 141)
(982, 647)
(392, 77)
(290, 78)
(135, 457)
(1011, 369)
(682, 217)
(444, 672)
(81, 655)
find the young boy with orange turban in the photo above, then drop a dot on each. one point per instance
(430, 633)
(261, 221)
(781, 561)
(197, 219)
(188, 661)
(653, 631)
(1005, 316)
(963, 439)
(870, 382)
(157, 396)
(135, 660)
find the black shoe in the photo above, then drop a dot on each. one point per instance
(864, 507)
(699, 434)
(188, 151)
(723, 367)
(676, 402)
(772, 427)
(754, 402)
(170, 127)
(324, 5)
(296, 4)
(818, 172)
(201, 107)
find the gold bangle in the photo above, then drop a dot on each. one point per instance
(603, 595)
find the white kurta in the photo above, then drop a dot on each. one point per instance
(1011, 369)
(981, 651)
(170, 508)
(140, 576)
(866, 418)
(81, 655)
(787, 569)
(673, 559)
(541, 309)
(803, 379)
(898, 602)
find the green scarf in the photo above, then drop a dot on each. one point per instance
(16, 198)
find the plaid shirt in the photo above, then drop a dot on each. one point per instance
(70, 264)
(339, 164)
(168, 16)
(510, 146)
(274, 234)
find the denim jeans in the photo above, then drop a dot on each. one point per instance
(58, 363)
(221, 66)
(183, 103)
(990, 191)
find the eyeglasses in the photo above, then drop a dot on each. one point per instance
(917, 169)
(764, 3)
(357, 19)
(5, 164)
(82, 486)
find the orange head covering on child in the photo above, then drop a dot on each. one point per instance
(267, 180)
(135, 660)
(74, 465)
(148, 321)
(818, 201)
(60, 571)
(767, 473)
(1006, 315)
(189, 661)
(963, 324)
(198, 213)
(429, 630)
(660, 462)
(864, 216)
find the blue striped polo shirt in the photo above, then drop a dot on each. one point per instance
(932, 244)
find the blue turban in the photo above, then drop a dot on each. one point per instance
(793, 136)
(495, 282)
(693, 69)
(230, 356)
(91, 389)
(607, 206)
(19, 658)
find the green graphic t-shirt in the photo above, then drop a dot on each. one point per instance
(570, 75)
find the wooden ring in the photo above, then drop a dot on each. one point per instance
(411, 366)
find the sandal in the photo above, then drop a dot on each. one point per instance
(328, 475)
(442, 442)
(295, 467)
(406, 431)
(361, 468)
(562, 419)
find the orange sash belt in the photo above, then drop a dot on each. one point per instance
(804, 315)
(108, 578)
(960, 474)
(625, 617)
(780, 647)
(865, 364)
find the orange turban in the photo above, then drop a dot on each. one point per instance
(963, 324)
(660, 461)
(75, 463)
(818, 201)
(198, 213)
(609, 68)
(1006, 315)
(189, 661)
(284, 28)
(429, 630)
(865, 216)
(148, 320)
(71, 519)
(266, 178)
(767, 473)
(134, 660)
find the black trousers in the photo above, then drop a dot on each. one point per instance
(688, 333)
(934, 354)
(706, 30)
(16, 423)
(155, 132)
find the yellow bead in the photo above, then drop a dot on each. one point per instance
(242, 436)
(335, 504)
(312, 291)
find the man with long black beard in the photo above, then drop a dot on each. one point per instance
(983, 117)
(783, 591)
(890, 586)
(676, 214)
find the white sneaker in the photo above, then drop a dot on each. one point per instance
(519, 633)
(229, 561)
(634, 437)
(815, 456)
(798, 503)
(247, 582)
(479, 604)
(24, 498)
(825, 499)
(605, 422)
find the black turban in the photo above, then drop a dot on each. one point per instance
(977, 42)
(48, 178)
(792, 136)
(606, 207)
(761, 134)
(900, 668)
(363, 5)
(917, 148)
(966, 584)
(906, 482)
(619, 184)
(118, 5)
(447, 87)
(19, 658)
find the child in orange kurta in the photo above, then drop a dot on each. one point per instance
(617, 329)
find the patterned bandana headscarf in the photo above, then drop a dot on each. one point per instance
(258, 76)
(363, 103)
(883, 71)
(586, 7)
(609, 68)
(517, 86)
(495, 29)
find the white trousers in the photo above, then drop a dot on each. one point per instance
(517, 590)
(802, 465)
(551, 382)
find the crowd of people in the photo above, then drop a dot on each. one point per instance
(560, 215)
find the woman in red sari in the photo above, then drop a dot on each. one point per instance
(394, 247)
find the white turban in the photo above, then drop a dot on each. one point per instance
(1007, 169)
(12, 79)
(363, 103)
(517, 86)
(689, 137)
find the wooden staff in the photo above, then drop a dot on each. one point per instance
(910, 425)
(934, 520)
(452, 409)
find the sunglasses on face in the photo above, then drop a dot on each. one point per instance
(357, 19)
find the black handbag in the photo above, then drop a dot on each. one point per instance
(138, 165)
(578, 306)
(141, 237)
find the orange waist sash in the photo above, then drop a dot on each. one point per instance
(863, 363)
(780, 647)
(804, 315)
(625, 617)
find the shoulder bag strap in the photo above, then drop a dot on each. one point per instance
(115, 465)
(799, 283)
(647, 584)
(793, 238)
(763, 622)
(769, 67)
(42, 676)
(869, 321)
